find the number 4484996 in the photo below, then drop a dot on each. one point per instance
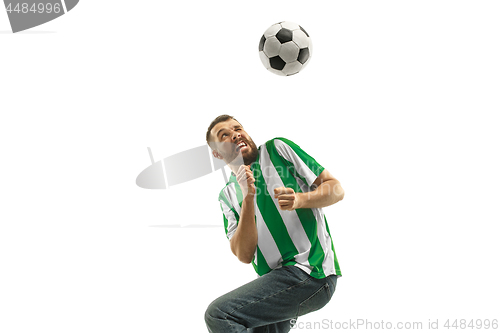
(471, 324)
(25, 8)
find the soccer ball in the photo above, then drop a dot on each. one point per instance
(285, 48)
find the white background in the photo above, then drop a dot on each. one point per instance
(400, 102)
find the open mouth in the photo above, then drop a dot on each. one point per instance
(241, 146)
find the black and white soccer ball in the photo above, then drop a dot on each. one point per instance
(285, 48)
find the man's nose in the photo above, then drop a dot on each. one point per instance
(236, 135)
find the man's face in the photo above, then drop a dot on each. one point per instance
(231, 140)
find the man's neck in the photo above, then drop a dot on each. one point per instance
(234, 168)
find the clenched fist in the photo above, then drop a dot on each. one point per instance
(245, 178)
(287, 198)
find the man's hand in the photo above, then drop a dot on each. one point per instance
(287, 198)
(244, 176)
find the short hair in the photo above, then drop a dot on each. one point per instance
(217, 120)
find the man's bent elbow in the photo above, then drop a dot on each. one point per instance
(244, 252)
(243, 256)
(338, 192)
(245, 260)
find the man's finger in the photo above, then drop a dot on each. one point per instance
(279, 190)
(285, 206)
(240, 170)
(282, 190)
(243, 168)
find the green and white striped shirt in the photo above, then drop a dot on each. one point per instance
(300, 237)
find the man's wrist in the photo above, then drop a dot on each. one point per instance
(300, 198)
(248, 199)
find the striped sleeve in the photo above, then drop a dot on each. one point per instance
(302, 164)
(230, 215)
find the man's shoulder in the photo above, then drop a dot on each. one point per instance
(278, 140)
(281, 145)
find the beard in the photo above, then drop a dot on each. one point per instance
(233, 156)
(251, 156)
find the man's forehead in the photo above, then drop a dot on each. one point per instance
(229, 124)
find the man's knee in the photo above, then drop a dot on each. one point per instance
(214, 313)
(209, 315)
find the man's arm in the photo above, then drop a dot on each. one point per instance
(328, 191)
(244, 240)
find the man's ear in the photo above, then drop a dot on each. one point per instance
(217, 155)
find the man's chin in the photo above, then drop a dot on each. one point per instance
(244, 156)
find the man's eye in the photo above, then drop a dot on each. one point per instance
(223, 135)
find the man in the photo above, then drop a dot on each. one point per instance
(273, 219)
